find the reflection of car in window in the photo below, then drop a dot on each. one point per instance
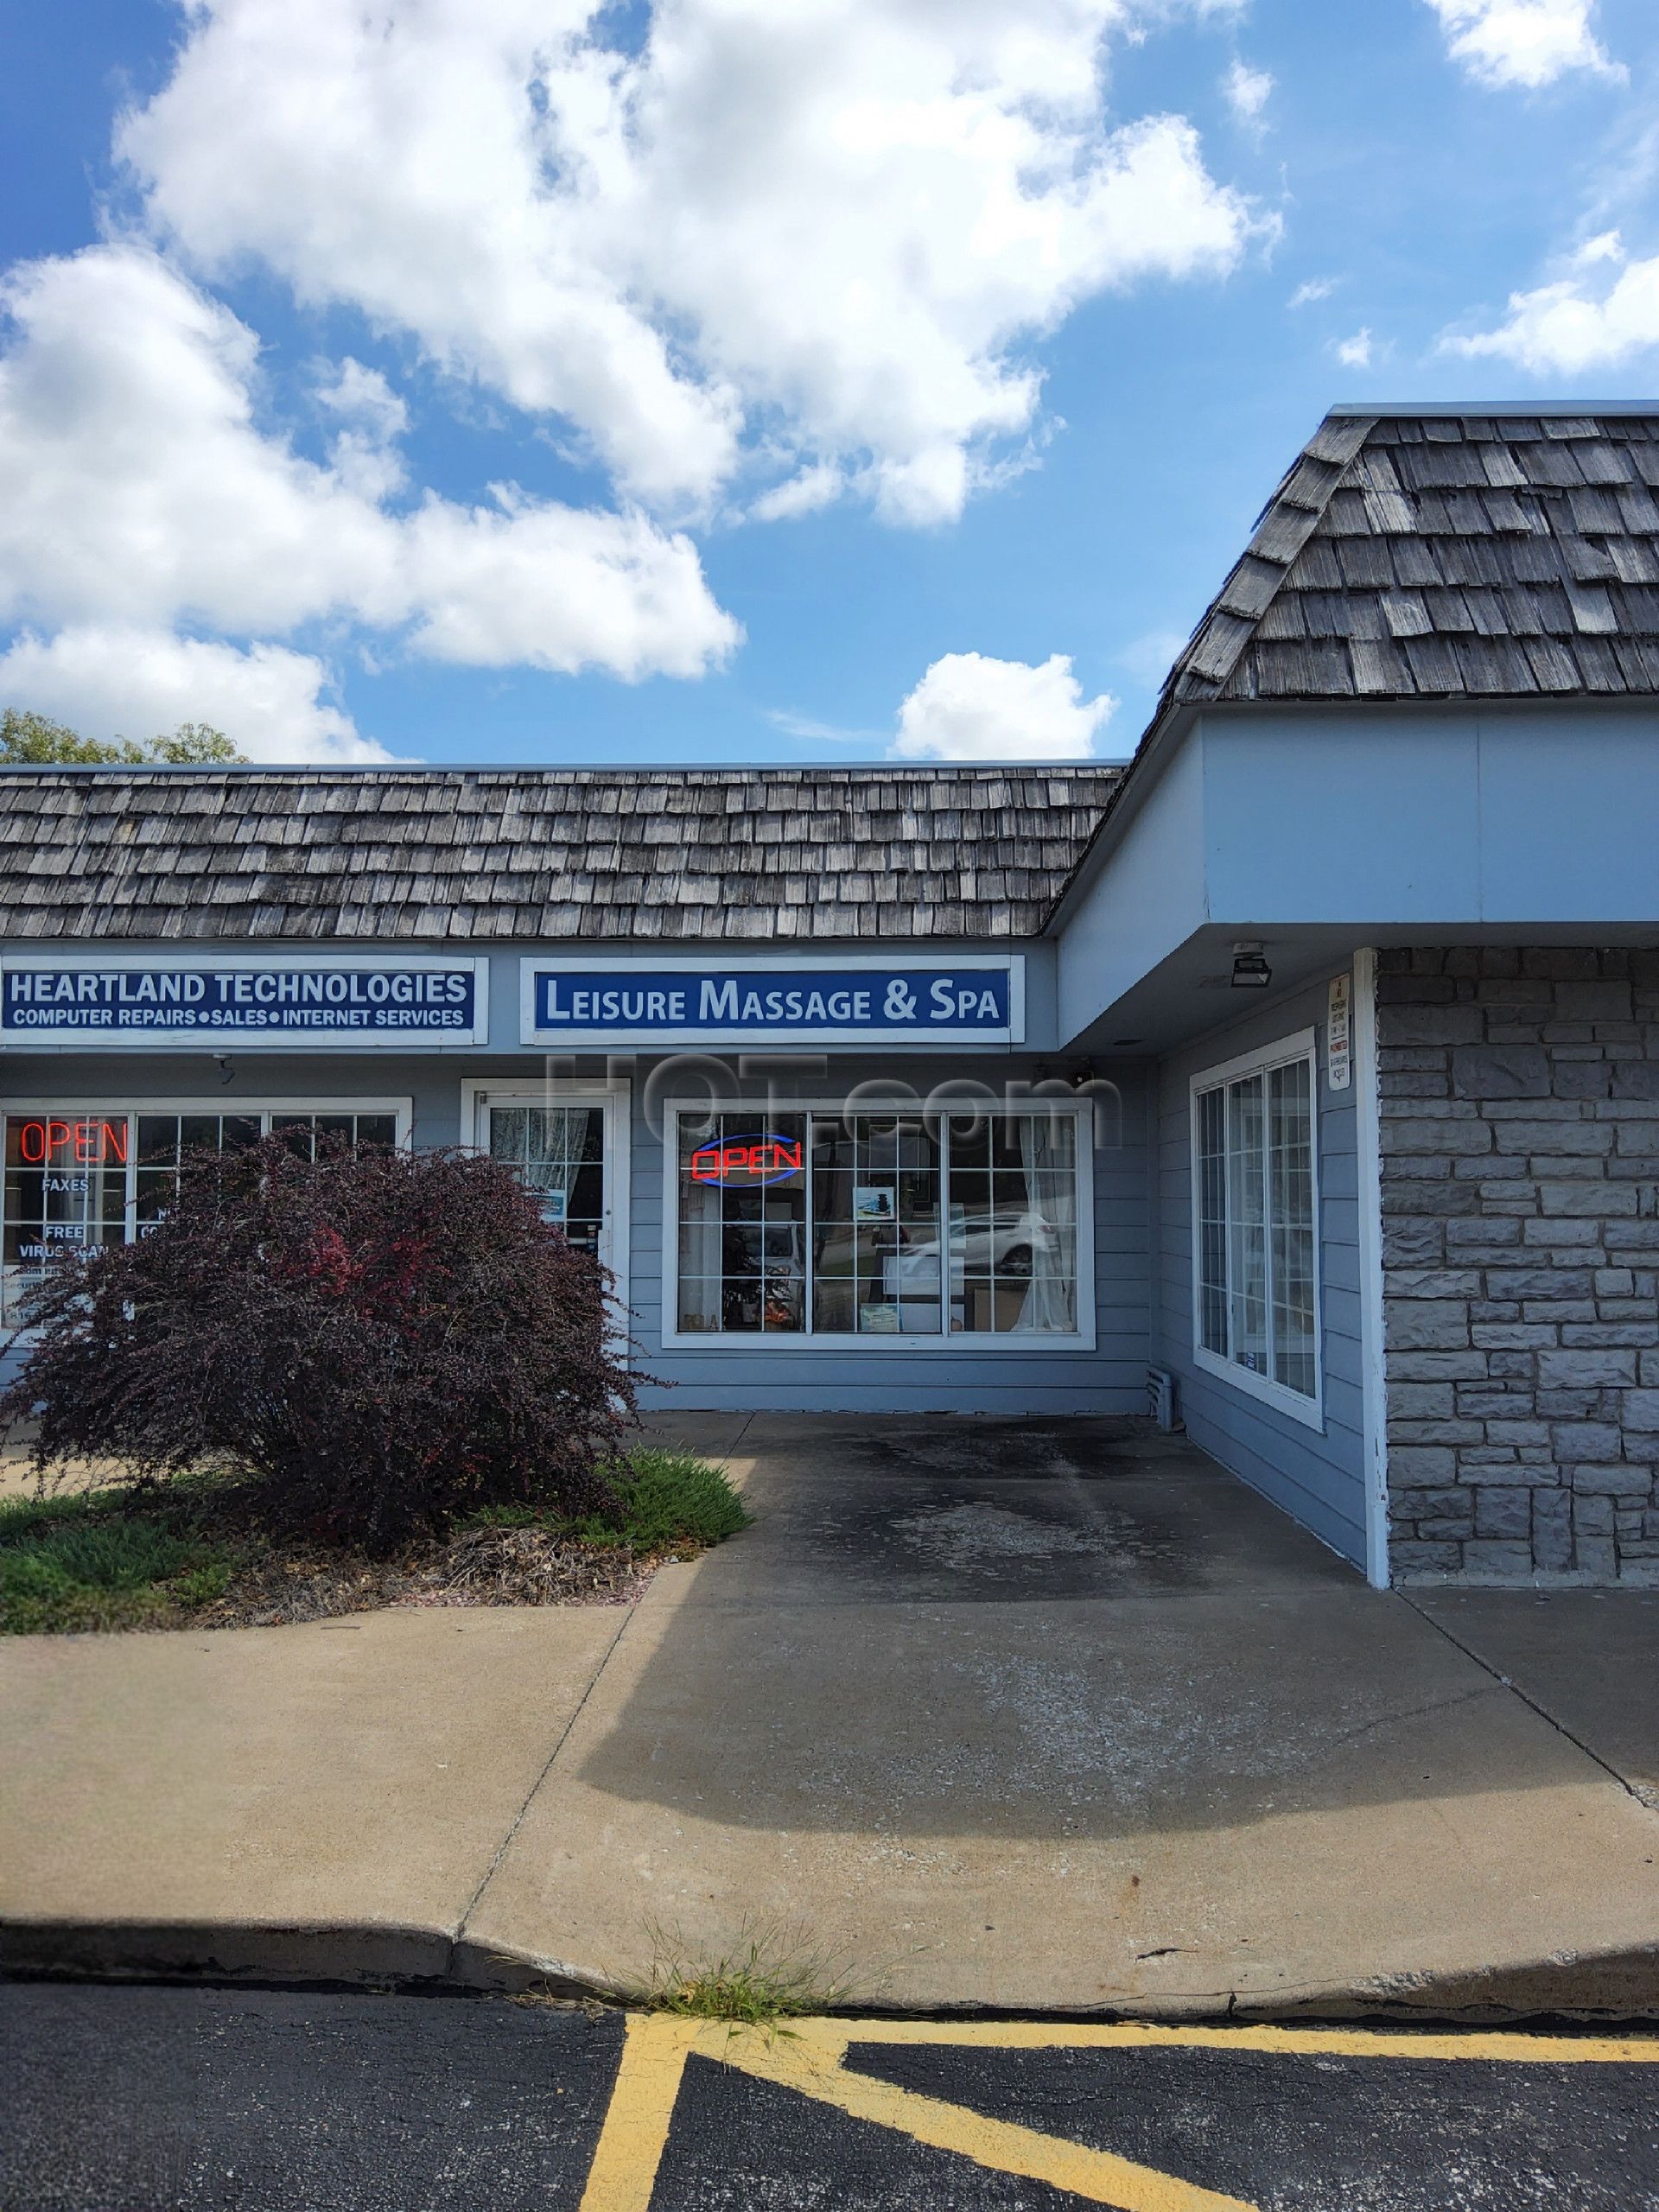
(1013, 1241)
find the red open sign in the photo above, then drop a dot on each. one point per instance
(80, 1142)
(746, 1163)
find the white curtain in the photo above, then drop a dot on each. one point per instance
(1048, 1155)
(701, 1237)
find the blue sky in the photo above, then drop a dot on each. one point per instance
(728, 381)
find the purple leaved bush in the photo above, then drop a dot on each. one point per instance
(381, 1341)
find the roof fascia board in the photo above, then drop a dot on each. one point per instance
(120, 771)
(1165, 738)
(1453, 410)
(1161, 742)
(1291, 515)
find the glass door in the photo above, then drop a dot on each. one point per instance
(565, 1151)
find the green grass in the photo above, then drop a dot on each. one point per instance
(102, 1561)
(667, 1498)
(770, 1973)
(117, 1559)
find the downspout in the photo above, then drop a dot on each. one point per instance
(1374, 1396)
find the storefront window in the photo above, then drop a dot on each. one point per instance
(1013, 1225)
(76, 1178)
(1254, 1221)
(66, 1181)
(875, 1225)
(559, 1153)
(163, 1141)
(743, 1255)
(305, 1132)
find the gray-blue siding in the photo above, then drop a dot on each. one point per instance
(1317, 1477)
(865, 1376)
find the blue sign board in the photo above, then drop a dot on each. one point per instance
(155, 999)
(851, 1001)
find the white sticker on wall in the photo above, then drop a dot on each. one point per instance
(1338, 1036)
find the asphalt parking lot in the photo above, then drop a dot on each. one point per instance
(176, 2098)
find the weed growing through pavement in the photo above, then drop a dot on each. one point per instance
(770, 1971)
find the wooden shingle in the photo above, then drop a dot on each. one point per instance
(537, 854)
(1476, 556)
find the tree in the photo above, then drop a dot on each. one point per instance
(379, 1341)
(34, 740)
(194, 742)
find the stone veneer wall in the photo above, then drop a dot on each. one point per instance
(1520, 1144)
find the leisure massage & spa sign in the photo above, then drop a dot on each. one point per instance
(247, 999)
(162, 1000)
(853, 999)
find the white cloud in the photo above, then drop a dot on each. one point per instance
(1247, 90)
(136, 489)
(110, 682)
(826, 229)
(805, 493)
(1528, 43)
(364, 398)
(1354, 353)
(364, 452)
(1606, 245)
(968, 707)
(1571, 326)
(815, 732)
(1312, 288)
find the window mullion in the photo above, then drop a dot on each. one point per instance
(131, 1179)
(947, 1248)
(808, 1231)
(1229, 1215)
(1269, 1273)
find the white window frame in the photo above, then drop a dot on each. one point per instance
(1303, 1046)
(849, 1344)
(129, 1107)
(616, 1095)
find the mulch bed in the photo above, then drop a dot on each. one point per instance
(481, 1566)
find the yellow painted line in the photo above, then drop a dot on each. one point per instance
(1344, 2043)
(631, 2141)
(809, 2062)
(810, 2057)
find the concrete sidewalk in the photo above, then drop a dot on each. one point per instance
(1042, 1716)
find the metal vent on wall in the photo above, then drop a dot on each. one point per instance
(1160, 1396)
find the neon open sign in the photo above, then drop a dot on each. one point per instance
(746, 1163)
(82, 1142)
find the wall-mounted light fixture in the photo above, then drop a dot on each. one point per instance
(1250, 971)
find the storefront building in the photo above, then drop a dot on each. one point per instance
(1308, 1067)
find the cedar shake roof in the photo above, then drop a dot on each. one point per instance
(745, 855)
(1422, 553)
(1428, 555)
(1408, 554)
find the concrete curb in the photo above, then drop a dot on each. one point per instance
(1620, 1984)
(149, 1950)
